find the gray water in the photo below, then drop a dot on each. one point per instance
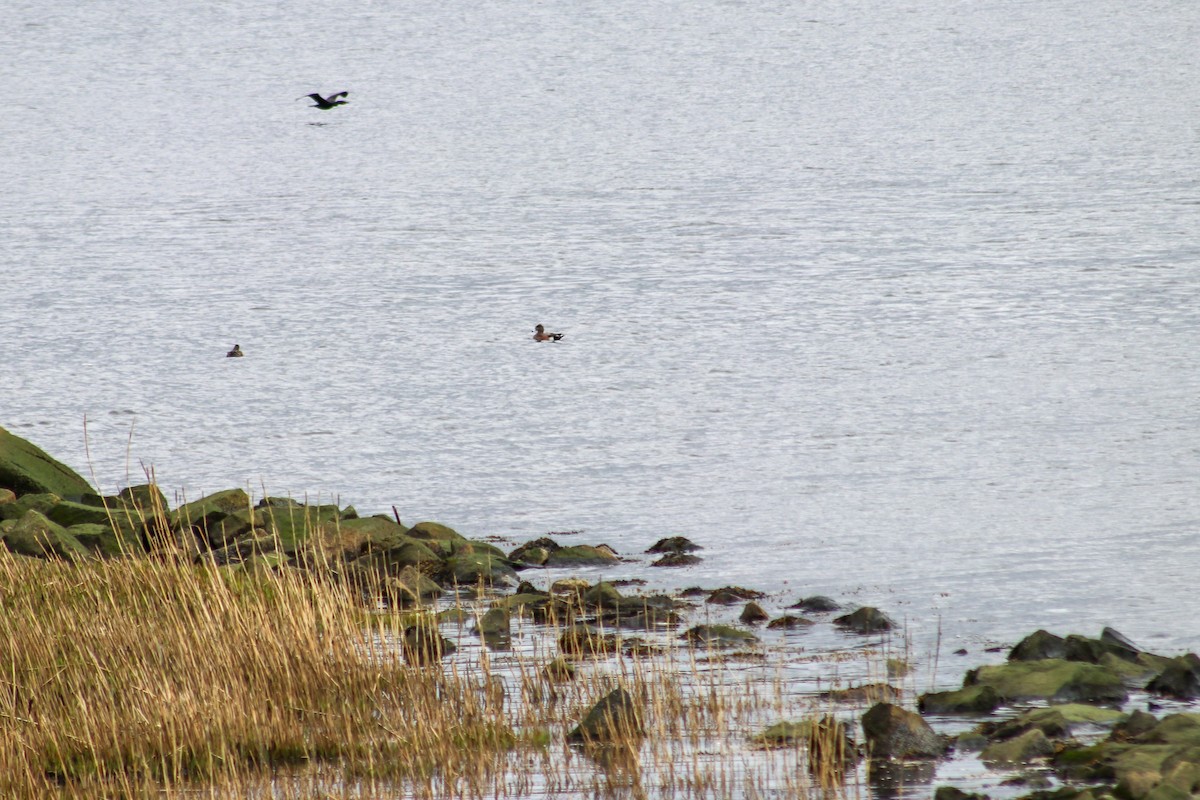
(895, 302)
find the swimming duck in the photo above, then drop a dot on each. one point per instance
(540, 335)
(236, 352)
(326, 103)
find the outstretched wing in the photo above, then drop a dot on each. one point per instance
(333, 97)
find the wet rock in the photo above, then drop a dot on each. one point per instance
(1180, 679)
(434, 532)
(67, 514)
(674, 544)
(1051, 679)
(601, 596)
(865, 620)
(1055, 722)
(1138, 723)
(534, 553)
(402, 554)
(1038, 645)
(971, 700)
(581, 641)
(615, 719)
(27, 469)
(893, 732)
(473, 569)
(732, 595)
(411, 588)
(866, 693)
(495, 628)
(752, 614)
(42, 503)
(581, 555)
(817, 604)
(143, 498)
(569, 586)
(718, 636)
(558, 671)
(788, 622)
(424, 645)
(951, 793)
(677, 560)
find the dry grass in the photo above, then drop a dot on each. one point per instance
(157, 676)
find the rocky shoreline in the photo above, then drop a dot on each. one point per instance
(1060, 704)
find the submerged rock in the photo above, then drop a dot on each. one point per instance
(817, 604)
(789, 622)
(970, 700)
(615, 719)
(865, 620)
(718, 636)
(674, 544)
(677, 560)
(581, 555)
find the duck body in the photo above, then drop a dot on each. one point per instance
(540, 335)
(236, 352)
(325, 103)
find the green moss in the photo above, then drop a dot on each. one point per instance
(1049, 679)
(27, 469)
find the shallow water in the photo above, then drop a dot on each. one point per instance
(895, 304)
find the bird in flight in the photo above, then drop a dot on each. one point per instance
(326, 102)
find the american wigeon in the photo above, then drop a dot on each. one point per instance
(540, 335)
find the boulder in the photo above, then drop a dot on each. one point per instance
(674, 544)
(580, 641)
(35, 535)
(98, 539)
(472, 569)
(297, 524)
(865, 620)
(1050, 679)
(7, 496)
(790, 622)
(732, 595)
(816, 604)
(534, 553)
(581, 555)
(68, 513)
(1180, 679)
(718, 636)
(27, 469)
(411, 588)
(146, 498)
(893, 732)
(41, 503)
(1054, 722)
(424, 645)
(970, 700)
(495, 628)
(865, 693)
(615, 719)
(435, 532)
(1037, 646)
(752, 614)
(677, 560)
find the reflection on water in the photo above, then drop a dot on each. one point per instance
(860, 302)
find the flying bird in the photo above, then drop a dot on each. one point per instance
(325, 103)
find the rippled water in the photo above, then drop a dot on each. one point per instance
(894, 302)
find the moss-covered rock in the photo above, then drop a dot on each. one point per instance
(581, 555)
(1018, 750)
(495, 628)
(1050, 679)
(68, 513)
(614, 719)
(27, 469)
(35, 535)
(1180, 679)
(7, 496)
(865, 620)
(42, 503)
(98, 539)
(534, 553)
(718, 636)
(434, 531)
(298, 525)
(971, 700)
(146, 498)
(472, 569)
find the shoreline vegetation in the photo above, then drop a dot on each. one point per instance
(227, 647)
